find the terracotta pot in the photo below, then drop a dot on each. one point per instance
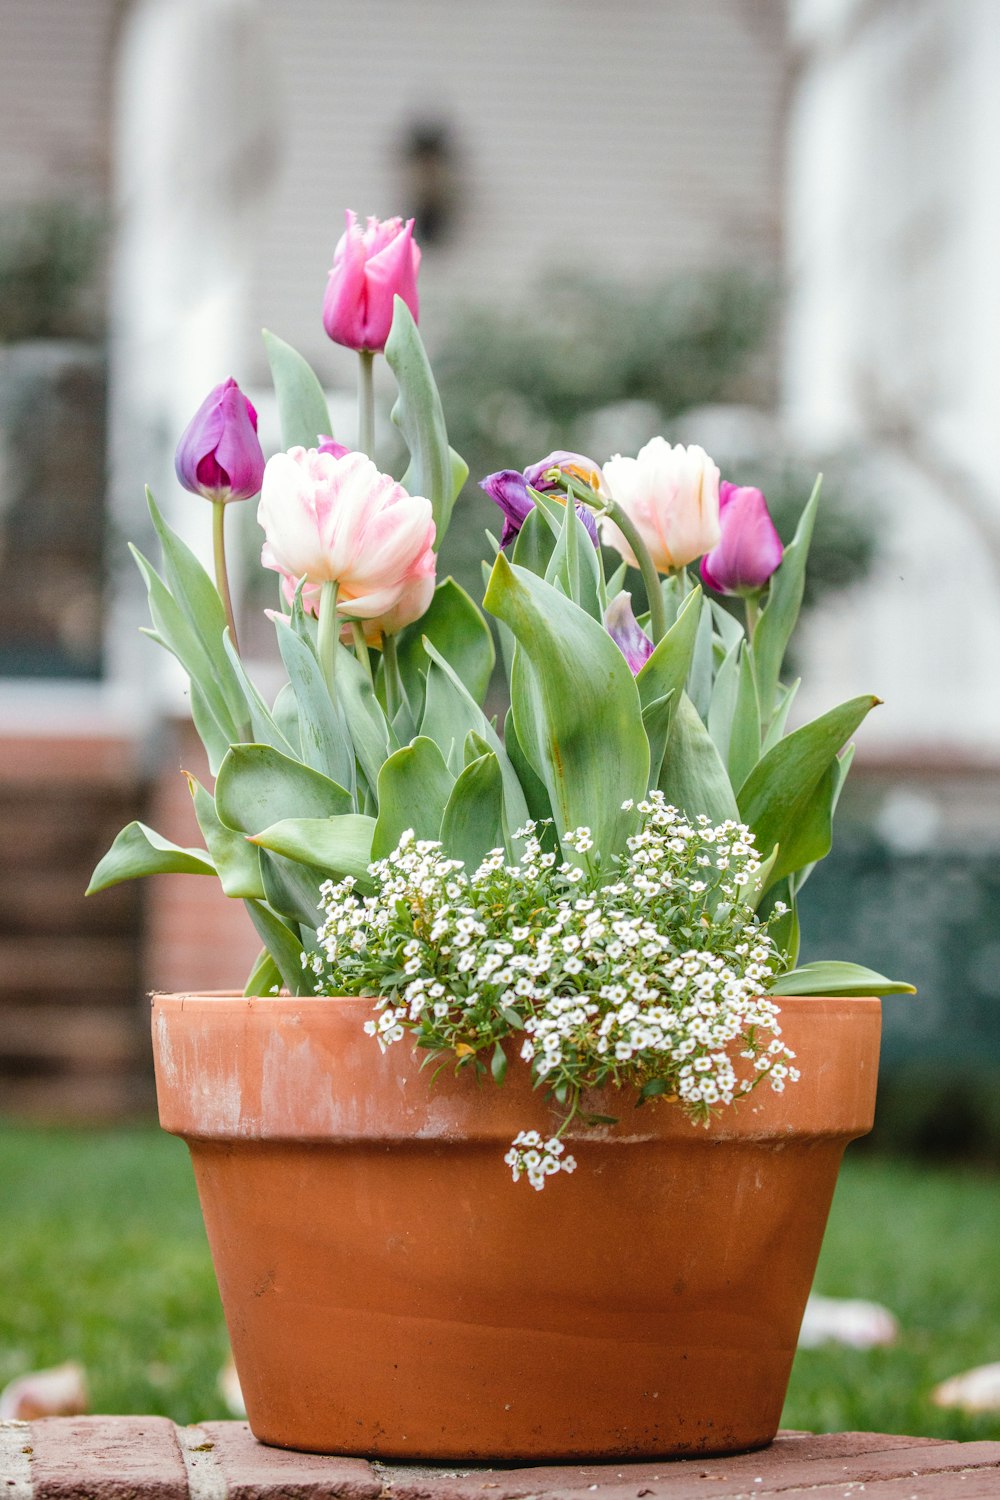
(390, 1292)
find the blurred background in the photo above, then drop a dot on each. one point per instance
(770, 228)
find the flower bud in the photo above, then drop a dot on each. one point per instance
(749, 549)
(219, 455)
(626, 632)
(371, 266)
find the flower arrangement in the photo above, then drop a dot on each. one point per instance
(606, 883)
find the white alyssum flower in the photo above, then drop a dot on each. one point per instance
(651, 980)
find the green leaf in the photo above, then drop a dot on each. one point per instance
(285, 718)
(264, 729)
(657, 718)
(535, 544)
(576, 707)
(265, 976)
(532, 786)
(574, 566)
(780, 613)
(237, 865)
(291, 888)
(302, 408)
(699, 683)
(727, 628)
(826, 799)
(776, 731)
(413, 789)
(785, 929)
(420, 418)
(449, 715)
(323, 727)
(783, 799)
(498, 1063)
(258, 786)
(458, 631)
(743, 750)
(284, 947)
(198, 599)
(214, 738)
(662, 677)
(693, 777)
(829, 977)
(139, 851)
(373, 740)
(338, 846)
(472, 824)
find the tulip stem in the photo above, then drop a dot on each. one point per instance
(650, 577)
(366, 402)
(752, 605)
(221, 573)
(361, 648)
(328, 633)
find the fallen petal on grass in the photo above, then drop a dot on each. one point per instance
(974, 1391)
(59, 1392)
(843, 1320)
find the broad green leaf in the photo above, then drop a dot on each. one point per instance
(657, 718)
(723, 705)
(779, 615)
(666, 671)
(214, 738)
(785, 929)
(829, 977)
(291, 888)
(139, 851)
(339, 846)
(302, 408)
(727, 627)
(373, 740)
(535, 544)
(197, 597)
(264, 729)
(413, 790)
(776, 731)
(779, 798)
(285, 717)
(473, 819)
(825, 803)
(258, 786)
(574, 565)
(456, 628)
(693, 777)
(532, 786)
(743, 751)
(419, 416)
(323, 726)
(180, 637)
(284, 946)
(576, 707)
(699, 683)
(237, 865)
(265, 976)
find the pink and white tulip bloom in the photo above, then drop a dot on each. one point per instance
(750, 548)
(371, 267)
(671, 495)
(330, 519)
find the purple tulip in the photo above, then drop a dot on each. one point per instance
(218, 455)
(627, 634)
(512, 491)
(749, 549)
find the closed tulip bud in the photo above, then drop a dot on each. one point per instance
(219, 455)
(371, 266)
(749, 549)
(671, 495)
(331, 519)
(627, 634)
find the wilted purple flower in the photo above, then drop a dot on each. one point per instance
(218, 455)
(626, 632)
(512, 491)
(749, 549)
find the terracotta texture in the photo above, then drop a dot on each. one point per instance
(390, 1292)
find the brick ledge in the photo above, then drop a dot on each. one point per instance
(149, 1458)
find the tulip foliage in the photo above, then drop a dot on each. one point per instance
(381, 726)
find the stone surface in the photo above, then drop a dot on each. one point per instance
(148, 1458)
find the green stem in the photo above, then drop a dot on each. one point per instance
(361, 648)
(650, 577)
(366, 402)
(328, 634)
(221, 574)
(752, 606)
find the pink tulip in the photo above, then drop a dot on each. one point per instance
(331, 519)
(672, 497)
(750, 548)
(219, 455)
(371, 266)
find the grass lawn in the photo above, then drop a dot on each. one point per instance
(103, 1259)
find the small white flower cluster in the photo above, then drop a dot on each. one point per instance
(538, 1159)
(653, 979)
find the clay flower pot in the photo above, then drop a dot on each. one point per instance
(390, 1292)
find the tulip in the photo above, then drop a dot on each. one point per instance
(371, 266)
(219, 455)
(671, 496)
(626, 632)
(750, 548)
(512, 491)
(337, 520)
